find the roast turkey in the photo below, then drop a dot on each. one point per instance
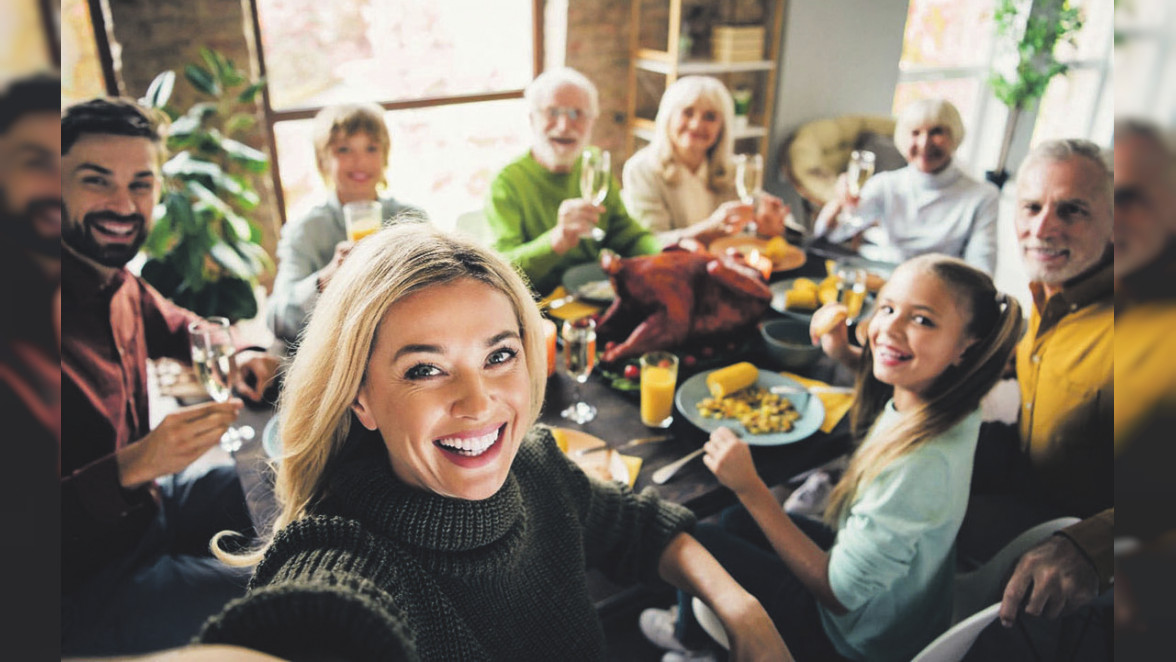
(676, 297)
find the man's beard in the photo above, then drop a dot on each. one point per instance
(21, 227)
(80, 237)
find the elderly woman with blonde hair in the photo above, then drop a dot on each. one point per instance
(930, 206)
(683, 183)
(423, 514)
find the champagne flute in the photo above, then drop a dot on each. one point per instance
(860, 169)
(213, 352)
(595, 173)
(749, 181)
(579, 338)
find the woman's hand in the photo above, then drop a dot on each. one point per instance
(729, 218)
(769, 221)
(730, 460)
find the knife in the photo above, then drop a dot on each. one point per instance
(629, 444)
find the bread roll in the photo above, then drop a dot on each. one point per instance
(827, 319)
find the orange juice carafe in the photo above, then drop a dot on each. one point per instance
(659, 374)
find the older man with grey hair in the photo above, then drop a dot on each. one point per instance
(1059, 461)
(535, 210)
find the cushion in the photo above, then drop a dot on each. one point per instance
(818, 151)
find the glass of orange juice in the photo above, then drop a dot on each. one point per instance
(659, 374)
(362, 218)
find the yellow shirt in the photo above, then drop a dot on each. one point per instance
(1065, 366)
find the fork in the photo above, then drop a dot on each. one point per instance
(665, 473)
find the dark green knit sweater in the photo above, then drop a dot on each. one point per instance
(383, 571)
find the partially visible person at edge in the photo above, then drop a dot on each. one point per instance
(351, 148)
(931, 205)
(423, 515)
(30, 361)
(1057, 463)
(539, 220)
(683, 183)
(1145, 383)
(136, 569)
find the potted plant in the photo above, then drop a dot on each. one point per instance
(1027, 32)
(204, 252)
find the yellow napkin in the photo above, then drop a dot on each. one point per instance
(836, 404)
(572, 310)
(602, 463)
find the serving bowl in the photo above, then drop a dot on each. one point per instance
(787, 343)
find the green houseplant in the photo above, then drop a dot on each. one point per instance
(1028, 31)
(204, 252)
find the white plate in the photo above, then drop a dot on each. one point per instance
(589, 282)
(694, 390)
(269, 438)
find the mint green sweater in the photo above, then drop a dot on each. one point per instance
(522, 207)
(893, 562)
(383, 571)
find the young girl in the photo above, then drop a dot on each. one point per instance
(351, 147)
(879, 587)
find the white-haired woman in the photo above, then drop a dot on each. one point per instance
(931, 205)
(422, 515)
(683, 183)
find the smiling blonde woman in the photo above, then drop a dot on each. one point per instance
(423, 514)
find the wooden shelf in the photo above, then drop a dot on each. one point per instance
(668, 63)
(702, 67)
(643, 129)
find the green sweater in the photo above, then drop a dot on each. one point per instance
(522, 208)
(382, 571)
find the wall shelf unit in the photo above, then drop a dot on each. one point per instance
(671, 63)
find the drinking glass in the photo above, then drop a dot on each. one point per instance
(212, 348)
(362, 218)
(860, 169)
(595, 173)
(851, 288)
(579, 337)
(659, 374)
(749, 180)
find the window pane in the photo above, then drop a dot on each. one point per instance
(961, 92)
(24, 48)
(1068, 106)
(947, 33)
(318, 53)
(1091, 41)
(81, 70)
(442, 161)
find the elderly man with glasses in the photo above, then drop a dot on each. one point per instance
(535, 210)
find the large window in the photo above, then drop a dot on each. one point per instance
(948, 48)
(1145, 60)
(450, 75)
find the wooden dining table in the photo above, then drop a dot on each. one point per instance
(618, 421)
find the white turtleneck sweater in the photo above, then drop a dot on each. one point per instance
(916, 213)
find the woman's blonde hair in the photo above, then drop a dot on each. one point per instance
(346, 120)
(685, 91)
(923, 112)
(994, 321)
(331, 360)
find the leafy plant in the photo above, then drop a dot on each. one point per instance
(204, 251)
(1037, 26)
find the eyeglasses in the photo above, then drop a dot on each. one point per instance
(574, 114)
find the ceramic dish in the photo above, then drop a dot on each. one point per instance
(694, 390)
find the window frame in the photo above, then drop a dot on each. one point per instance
(272, 117)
